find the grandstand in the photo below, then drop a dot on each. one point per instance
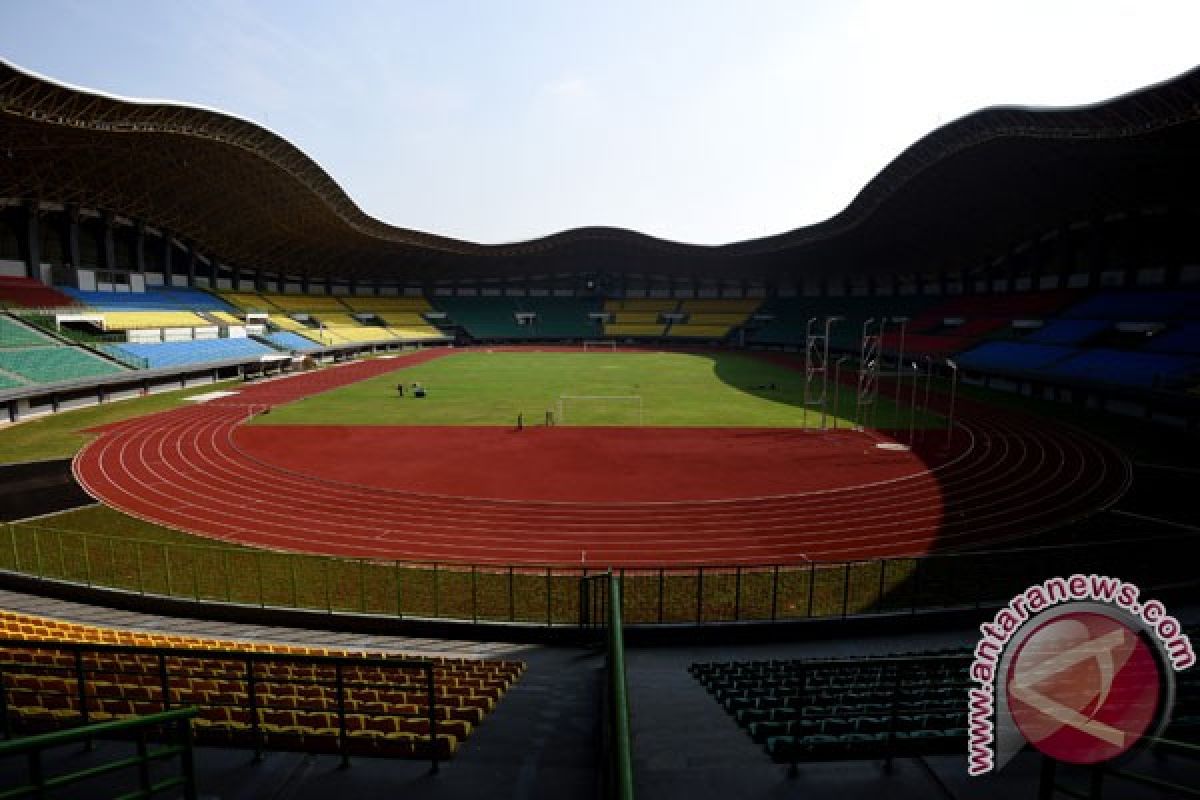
(1049, 426)
(160, 355)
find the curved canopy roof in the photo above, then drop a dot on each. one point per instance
(970, 190)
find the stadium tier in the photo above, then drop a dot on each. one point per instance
(1183, 339)
(248, 301)
(541, 317)
(369, 303)
(1014, 356)
(786, 319)
(305, 303)
(54, 364)
(17, 334)
(1137, 306)
(286, 323)
(226, 318)
(287, 340)
(143, 320)
(1125, 368)
(30, 293)
(712, 318)
(160, 299)
(1068, 331)
(285, 703)
(161, 355)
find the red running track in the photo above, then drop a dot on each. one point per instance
(1003, 475)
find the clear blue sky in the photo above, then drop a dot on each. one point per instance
(698, 121)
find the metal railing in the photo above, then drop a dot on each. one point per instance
(32, 748)
(551, 595)
(600, 608)
(253, 673)
(1049, 785)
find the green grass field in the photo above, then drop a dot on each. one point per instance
(676, 389)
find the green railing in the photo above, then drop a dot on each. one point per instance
(618, 697)
(550, 595)
(1049, 785)
(173, 663)
(40, 784)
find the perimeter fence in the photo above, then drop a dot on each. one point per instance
(551, 594)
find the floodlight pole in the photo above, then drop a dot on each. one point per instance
(807, 363)
(837, 389)
(900, 356)
(825, 370)
(928, 377)
(912, 409)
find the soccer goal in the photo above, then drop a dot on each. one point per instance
(609, 346)
(600, 409)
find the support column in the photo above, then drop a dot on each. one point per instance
(305, 283)
(191, 264)
(73, 236)
(33, 235)
(139, 247)
(168, 272)
(110, 243)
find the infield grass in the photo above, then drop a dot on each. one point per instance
(675, 389)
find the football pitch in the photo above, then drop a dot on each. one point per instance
(596, 389)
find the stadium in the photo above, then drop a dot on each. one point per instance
(287, 488)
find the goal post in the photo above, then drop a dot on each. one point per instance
(600, 344)
(576, 409)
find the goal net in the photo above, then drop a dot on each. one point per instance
(599, 409)
(609, 346)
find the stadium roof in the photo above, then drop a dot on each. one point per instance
(967, 192)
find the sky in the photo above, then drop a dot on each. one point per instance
(704, 122)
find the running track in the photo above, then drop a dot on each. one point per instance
(1006, 475)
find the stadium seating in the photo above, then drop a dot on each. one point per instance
(342, 328)
(846, 709)
(159, 299)
(367, 303)
(287, 340)
(286, 323)
(560, 317)
(1184, 340)
(141, 320)
(790, 317)
(1125, 368)
(638, 317)
(14, 334)
(1137, 306)
(248, 301)
(1014, 356)
(226, 318)
(172, 354)
(713, 318)
(484, 317)
(1068, 331)
(53, 364)
(279, 704)
(30, 293)
(408, 325)
(305, 303)
(10, 382)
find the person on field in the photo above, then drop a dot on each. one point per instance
(400, 389)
